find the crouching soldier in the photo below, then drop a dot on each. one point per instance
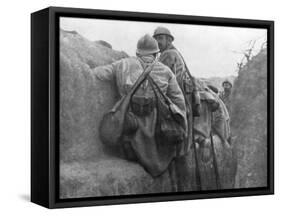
(139, 140)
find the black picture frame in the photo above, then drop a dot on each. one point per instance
(45, 105)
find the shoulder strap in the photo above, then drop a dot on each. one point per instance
(167, 101)
(141, 79)
(126, 98)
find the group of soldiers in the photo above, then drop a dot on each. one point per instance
(171, 75)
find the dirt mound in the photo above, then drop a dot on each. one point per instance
(108, 176)
(83, 98)
(249, 122)
(104, 43)
(87, 168)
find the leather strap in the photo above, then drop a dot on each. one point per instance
(141, 79)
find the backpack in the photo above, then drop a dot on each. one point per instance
(112, 124)
(169, 125)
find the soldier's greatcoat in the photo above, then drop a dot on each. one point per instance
(171, 58)
(141, 146)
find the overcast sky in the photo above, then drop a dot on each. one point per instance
(208, 50)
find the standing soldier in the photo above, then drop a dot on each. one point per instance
(139, 141)
(171, 57)
(225, 94)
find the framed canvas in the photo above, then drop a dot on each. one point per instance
(131, 107)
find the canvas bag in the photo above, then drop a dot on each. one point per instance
(169, 127)
(112, 124)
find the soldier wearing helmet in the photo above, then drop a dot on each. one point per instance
(226, 84)
(226, 93)
(138, 142)
(171, 57)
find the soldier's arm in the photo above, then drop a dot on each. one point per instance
(106, 72)
(169, 60)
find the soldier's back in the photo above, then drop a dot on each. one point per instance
(129, 70)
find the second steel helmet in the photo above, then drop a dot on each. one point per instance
(227, 81)
(162, 31)
(147, 45)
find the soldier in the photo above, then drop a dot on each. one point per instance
(225, 94)
(140, 144)
(220, 124)
(171, 57)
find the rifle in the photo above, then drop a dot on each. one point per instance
(215, 162)
(191, 125)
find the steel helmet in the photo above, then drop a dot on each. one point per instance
(226, 81)
(163, 31)
(147, 45)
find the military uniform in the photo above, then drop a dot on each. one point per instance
(225, 97)
(171, 57)
(220, 122)
(174, 61)
(141, 146)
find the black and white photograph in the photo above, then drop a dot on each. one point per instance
(139, 108)
(159, 108)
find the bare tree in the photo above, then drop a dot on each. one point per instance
(240, 64)
(249, 52)
(264, 45)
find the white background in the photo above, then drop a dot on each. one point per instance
(15, 108)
